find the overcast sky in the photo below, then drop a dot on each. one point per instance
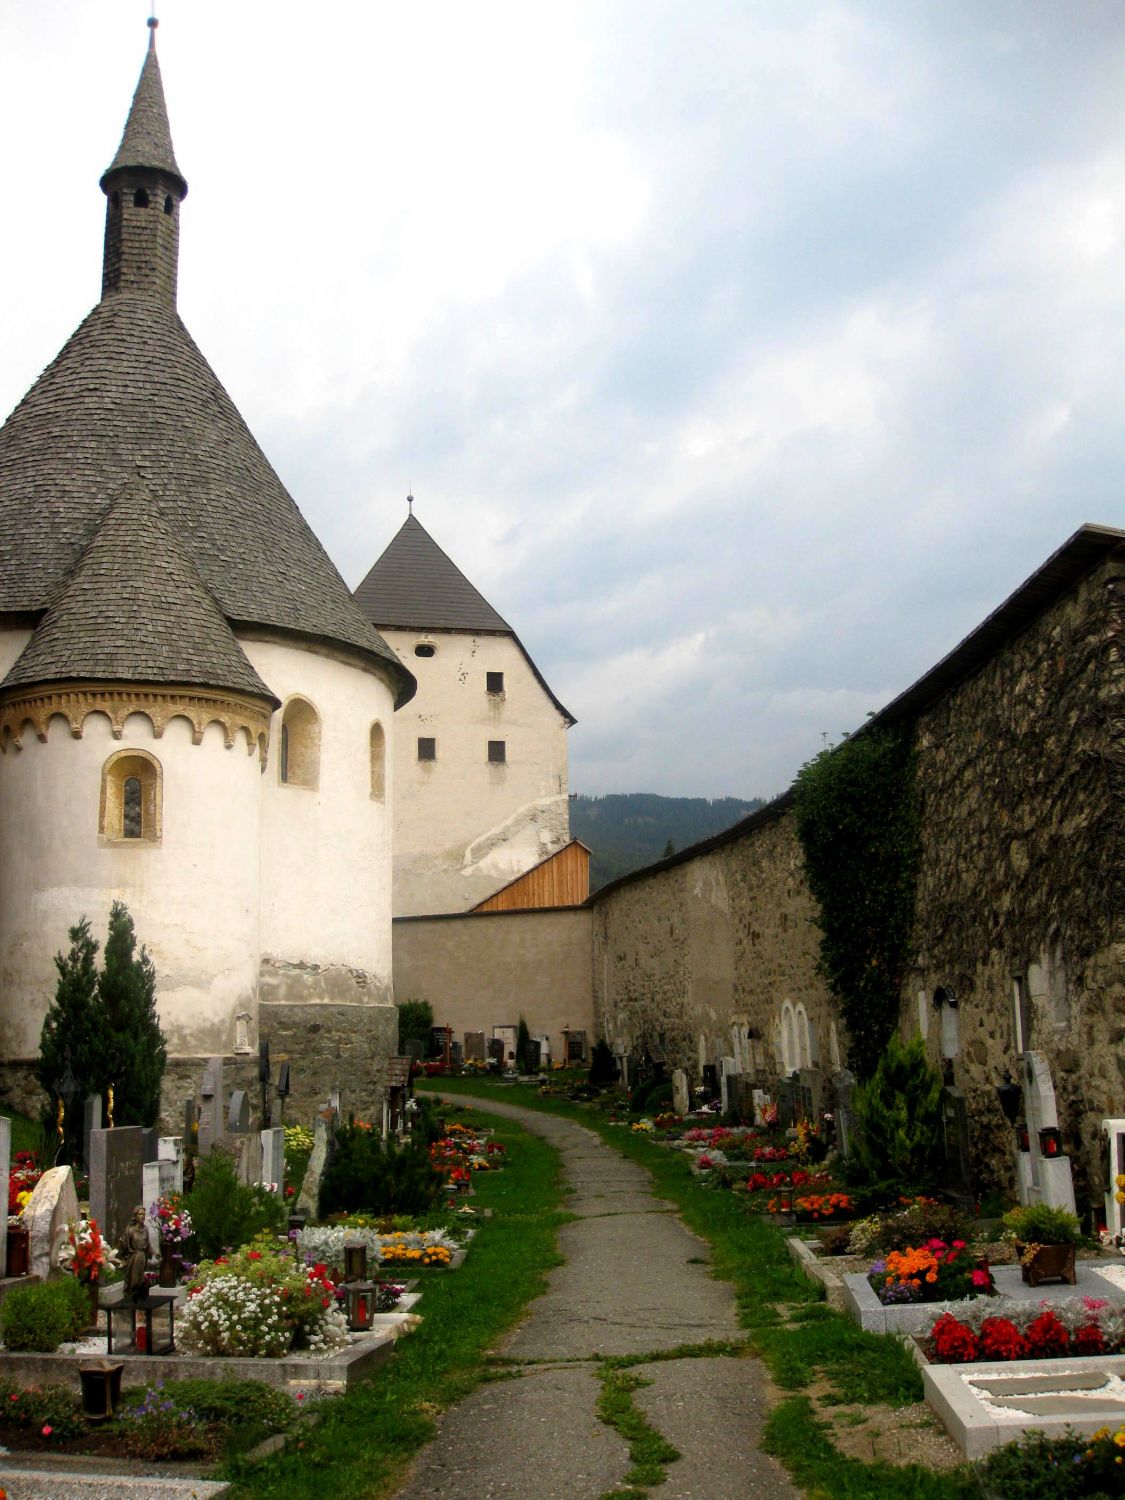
(744, 355)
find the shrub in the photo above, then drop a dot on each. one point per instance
(416, 1024)
(898, 1122)
(36, 1407)
(914, 1223)
(369, 1174)
(225, 1213)
(1040, 1224)
(75, 1034)
(1056, 1468)
(161, 1426)
(127, 995)
(38, 1318)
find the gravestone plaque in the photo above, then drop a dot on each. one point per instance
(474, 1046)
(681, 1094)
(52, 1206)
(496, 1050)
(759, 1099)
(5, 1170)
(91, 1120)
(116, 1160)
(456, 1055)
(238, 1118)
(531, 1055)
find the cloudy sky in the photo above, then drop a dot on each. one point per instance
(745, 355)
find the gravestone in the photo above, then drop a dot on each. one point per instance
(116, 1182)
(786, 1103)
(955, 1136)
(91, 1120)
(531, 1056)
(496, 1050)
(1041, 1179)
(710, 1081)
(308, 1200)
(273, 1159)
(238, 1116)
(681, 1094)
(843, 1086)
(212, 1122)
(170, 1148)
(414, 1048)
(52, 1206)
(1114, 1207)
(456, 1055)
(5, 1171)
(759, 1098)
(811, 1092)
(248, 1149)
(474, 1046)
(728, 1069)
(158, 1179)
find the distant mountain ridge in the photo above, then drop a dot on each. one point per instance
(627, 830)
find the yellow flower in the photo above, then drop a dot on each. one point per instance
(1119, 1437)
(1119, 1180)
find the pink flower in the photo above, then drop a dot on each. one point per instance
(979, 1278)
(47, 1429)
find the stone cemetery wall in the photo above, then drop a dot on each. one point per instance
(699, 958)
(486, 969)
(1020, 778)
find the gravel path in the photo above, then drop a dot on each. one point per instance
(635, 1281)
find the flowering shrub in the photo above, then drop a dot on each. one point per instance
(954, 1343)
(1066, 1467)
(260, 1303)
(913, 1222)
(1001, 1339)
(771, 1153)
(53, 1407)
(929, 1273)
(160, 1427)
(822, 1205)
(1046, 1336)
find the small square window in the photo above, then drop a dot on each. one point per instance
(494, 682)
(497, 752)
(427, 749)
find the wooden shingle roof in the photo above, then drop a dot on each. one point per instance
(415, 585)
(147, 138)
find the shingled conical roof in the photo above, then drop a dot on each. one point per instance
(136, 610)
(130, 395)
(415, 585)
(147, 141)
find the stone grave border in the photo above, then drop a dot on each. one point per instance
(977, 1432)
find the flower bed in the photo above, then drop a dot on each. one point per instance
(933, 1272)
(260, 1303)
(433, 1247)
(1007, 1330)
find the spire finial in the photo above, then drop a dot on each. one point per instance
(152, 24)
(410, 504)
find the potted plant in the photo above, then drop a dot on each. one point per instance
(1045, 1239)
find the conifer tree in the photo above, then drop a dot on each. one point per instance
(127, 993)
(74, 1034)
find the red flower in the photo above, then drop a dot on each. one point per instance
(954, 1343)
(1047, 1336)
(253, 1255)
(47, 1429)
(1089, 1339)
(1001, 1339)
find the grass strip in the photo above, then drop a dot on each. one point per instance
(360, 1448)
(648, 1451)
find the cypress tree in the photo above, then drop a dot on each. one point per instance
(127, 992)
(74, 1035)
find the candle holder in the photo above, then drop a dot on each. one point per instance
(1023, 1138)
(360, 1299)
(1050, 1141)
(355, 1262)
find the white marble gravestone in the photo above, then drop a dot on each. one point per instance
(273, 1159)
(170, 1148)
(1114, 1211)
(52, 1206)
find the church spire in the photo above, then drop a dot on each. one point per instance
(144, 188)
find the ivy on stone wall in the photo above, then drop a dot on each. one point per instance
(857, 820)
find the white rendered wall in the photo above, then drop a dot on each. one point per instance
(326, 851)
(193, 896)
(463, 827)
(12, 643)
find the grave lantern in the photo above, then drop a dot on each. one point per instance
(101, 1388)
(1023, 1138)
(1050, 1141)
(360, 1298)
(1009, 1095)
(355, 1262)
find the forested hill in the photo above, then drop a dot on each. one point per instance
(628, 830)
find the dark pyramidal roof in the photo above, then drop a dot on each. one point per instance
(147, 138)
(131, 397)
(416, 586)
(135, 609)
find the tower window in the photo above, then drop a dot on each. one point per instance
(115, 198)
(378, 762)
(497, 752)
(300, 745)
(130, 805)
(494, 682)
(427, 748)
(423, 648)
(168, 204)
(140, 198)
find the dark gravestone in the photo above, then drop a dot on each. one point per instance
(92, 1119)
(955, 1133)
(414, 1048)
(191, 1121)
(710, 1081)
(238, 1117)
(474, 1045)
(812, 1091)
(456, 1055)
(496, 1050)
(786, 1103)
(116, 1177)
(843, 1085)
(531, 1053)
(151, 1143)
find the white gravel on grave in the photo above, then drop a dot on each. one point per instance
(1113, 1272)
(1113, 1390)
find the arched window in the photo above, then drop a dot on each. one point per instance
(378, 762)
(130, 804)
(140, 198)
(945, 1002)
(300, 744)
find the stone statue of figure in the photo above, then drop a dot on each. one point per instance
(133, 1246)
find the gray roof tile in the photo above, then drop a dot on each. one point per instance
(135, 609)
(415, 585)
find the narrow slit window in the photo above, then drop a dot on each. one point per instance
(497, 752)
(427, 748)
(131, 818)
(494, 682)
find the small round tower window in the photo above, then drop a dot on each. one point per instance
(423, 648)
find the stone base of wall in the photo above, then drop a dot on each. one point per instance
(327, 1046)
